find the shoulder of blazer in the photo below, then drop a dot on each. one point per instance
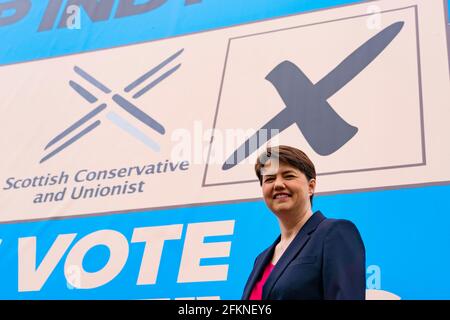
(331, 226)
(331, 223)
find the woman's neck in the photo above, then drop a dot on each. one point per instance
(290, 225)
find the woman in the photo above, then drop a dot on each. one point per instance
(314, 257)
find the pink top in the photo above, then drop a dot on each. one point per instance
(258, 288)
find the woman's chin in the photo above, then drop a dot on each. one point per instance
(282, 208)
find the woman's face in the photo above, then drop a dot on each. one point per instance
(286, 189)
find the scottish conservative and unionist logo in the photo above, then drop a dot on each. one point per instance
(91, 121)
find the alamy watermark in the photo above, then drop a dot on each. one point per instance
(220, 146)
(73, 17)
(374, 21)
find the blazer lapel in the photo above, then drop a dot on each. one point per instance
(292, 251)
(258, 269)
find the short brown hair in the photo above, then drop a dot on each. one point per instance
(290, 156)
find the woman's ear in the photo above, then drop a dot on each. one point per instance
(311, 186)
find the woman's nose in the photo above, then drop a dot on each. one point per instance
(279, 184)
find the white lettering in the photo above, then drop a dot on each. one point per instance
(195, 249)
(154, 238)
(30, 277)
(118, 248)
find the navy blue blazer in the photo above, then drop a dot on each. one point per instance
(326, 260)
